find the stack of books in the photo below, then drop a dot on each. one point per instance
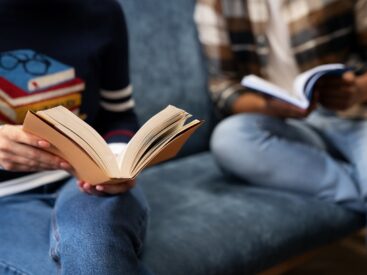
(33, 81)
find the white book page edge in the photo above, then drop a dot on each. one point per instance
(258, 84)
(32, 181)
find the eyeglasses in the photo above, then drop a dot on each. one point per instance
(35, 64)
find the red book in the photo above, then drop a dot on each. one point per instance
(16, 96)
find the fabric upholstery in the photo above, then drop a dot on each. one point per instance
(202, 222)
(166, 62)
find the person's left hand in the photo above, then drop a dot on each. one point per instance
(340, 93)
(105, 189)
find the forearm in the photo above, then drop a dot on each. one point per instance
(258, 103)
(249, 103)
(361, 82)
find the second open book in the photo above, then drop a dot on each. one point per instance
(303, 84)
(159, 139)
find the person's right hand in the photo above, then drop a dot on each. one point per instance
(24, 152)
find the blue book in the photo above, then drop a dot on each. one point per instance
(32, 71)
(303, 84)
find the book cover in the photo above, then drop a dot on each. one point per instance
(16, 96)
(32, 71)
(303, 84)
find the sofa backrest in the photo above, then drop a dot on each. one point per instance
(166, 62)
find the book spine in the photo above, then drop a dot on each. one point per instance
(39, 96)
(17, 114)
(8, 89)
(50, 80)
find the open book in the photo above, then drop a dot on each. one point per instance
(159, 139)
(303, 84)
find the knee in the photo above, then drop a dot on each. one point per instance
(238, 132)
(236, 141)
(101, 223)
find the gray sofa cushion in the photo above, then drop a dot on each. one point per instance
(166, 62)
(202, 224)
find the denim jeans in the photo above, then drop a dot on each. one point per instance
(57, 229)
(323, 156)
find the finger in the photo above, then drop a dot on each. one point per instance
(31, 154)
(113, 189)
(20, 160)
(91, 190)
(17, 134)
(16, 167)
(26, 154)
(79, 184)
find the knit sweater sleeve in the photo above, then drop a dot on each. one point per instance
(116, 119)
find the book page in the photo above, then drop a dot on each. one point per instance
(154, 139)
(259, 84)
(153, 126)
(160, 144)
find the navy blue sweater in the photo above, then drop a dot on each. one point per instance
(89, 35)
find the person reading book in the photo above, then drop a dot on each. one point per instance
(56, 228)
(319, 150)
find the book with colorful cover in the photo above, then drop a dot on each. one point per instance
(16, 96)
(16, 114)
(32, 71)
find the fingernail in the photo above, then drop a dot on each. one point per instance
(64, 165)
(43, 144)
(99, 187)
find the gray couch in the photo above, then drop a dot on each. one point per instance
(201, 221)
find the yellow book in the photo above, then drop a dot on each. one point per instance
(159, 139)
(18, 113)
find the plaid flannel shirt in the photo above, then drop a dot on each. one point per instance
(233, 35)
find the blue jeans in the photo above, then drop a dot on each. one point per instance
(324, 156)
(57, 229)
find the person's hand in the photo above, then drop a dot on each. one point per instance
(340, 93)
(252, 102)
(278, 108)
(105, 189)
(24, 152)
